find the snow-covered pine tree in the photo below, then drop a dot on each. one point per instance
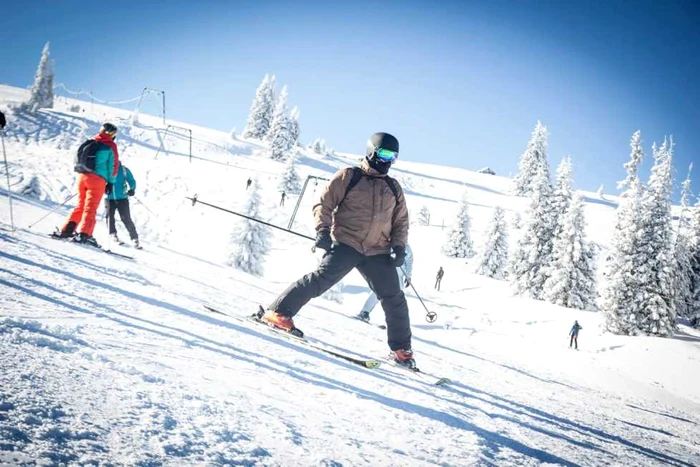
(41, 92)
(424, 216)
(319, 146)
(534, 156)
(562, 192)
(682, 251)
(529, 265)
(517, 221)
(280, 135)
(290, 182)
(572, 281)
(459, 242)
(294, 129)
(693, 312)
(261, 110)
(622, 298)
(250, 239)
(232, 133)
(657, 274)
(493, 258)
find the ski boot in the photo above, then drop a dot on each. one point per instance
(404, 357)
(67, 232)
(363, 316)
(284, 323)
(137, 245)
(86, 240)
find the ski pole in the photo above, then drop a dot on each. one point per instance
(7, 172)
(53, 210)
(430, 316)
(195, 201)
(142, 204)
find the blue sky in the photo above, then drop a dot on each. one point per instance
(459, 83)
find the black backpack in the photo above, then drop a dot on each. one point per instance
(357, 174)
(85, 157)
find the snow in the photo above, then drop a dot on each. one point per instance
(109, 361)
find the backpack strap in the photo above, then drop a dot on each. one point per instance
(357, 174)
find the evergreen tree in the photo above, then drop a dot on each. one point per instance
(459, 243)
(682, 252)
(261, 110)
(562, 192)
(693, 312)
(290, 182)
(517, 221)
(294, 129)
(622, 298)
(41, 93)
(280, 135)
(319, 146)
(250, 238)
(493, 259)
(572, 273)
(531, 160)
(424, 216)
(529, 266)
(657, 274)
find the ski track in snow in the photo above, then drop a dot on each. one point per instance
(106, 361)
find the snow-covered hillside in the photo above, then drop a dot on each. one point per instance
(108, 361)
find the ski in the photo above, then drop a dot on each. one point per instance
(365, 363)
(109, 252)
(380, 326)
(427, 377)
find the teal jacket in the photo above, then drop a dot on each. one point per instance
(124, 182)
(104, 163)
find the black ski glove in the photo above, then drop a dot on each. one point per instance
(323, 240)
(108, 189)
(399, 257)
(3, 122)
(130, 192)
(406, 282)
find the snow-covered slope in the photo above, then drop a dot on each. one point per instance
(107, 361)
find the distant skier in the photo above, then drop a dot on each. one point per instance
(118, 200)
(361, 222)
(284, 195)
(96, 165)
(404, 279)
(248, 183)
(438, 278)
(574, 334)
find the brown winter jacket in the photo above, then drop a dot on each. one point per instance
(368, 219)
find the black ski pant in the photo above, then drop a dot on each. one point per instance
(574, 341)
(437, 283)
(121, 205)
(379, 273)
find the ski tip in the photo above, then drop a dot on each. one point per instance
(442, 381)
(372, 364)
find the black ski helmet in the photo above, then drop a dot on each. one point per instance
(381, 140)
(108, 128)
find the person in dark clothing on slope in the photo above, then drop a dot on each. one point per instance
(438, 278)
(118, 200)
(361, 222)
(574, 334)
(248, 183)
(284, 196)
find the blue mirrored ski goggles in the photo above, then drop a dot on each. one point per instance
(386, 155)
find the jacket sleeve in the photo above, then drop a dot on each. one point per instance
(399, 220)
(408, 262)
(130, 180)
(331, 197)
(111, 176)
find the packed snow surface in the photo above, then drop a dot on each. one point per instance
(111, 361)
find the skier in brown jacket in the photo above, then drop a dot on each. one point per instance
(361, 222)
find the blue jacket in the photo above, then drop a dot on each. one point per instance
(575, 329)
(123, 182)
